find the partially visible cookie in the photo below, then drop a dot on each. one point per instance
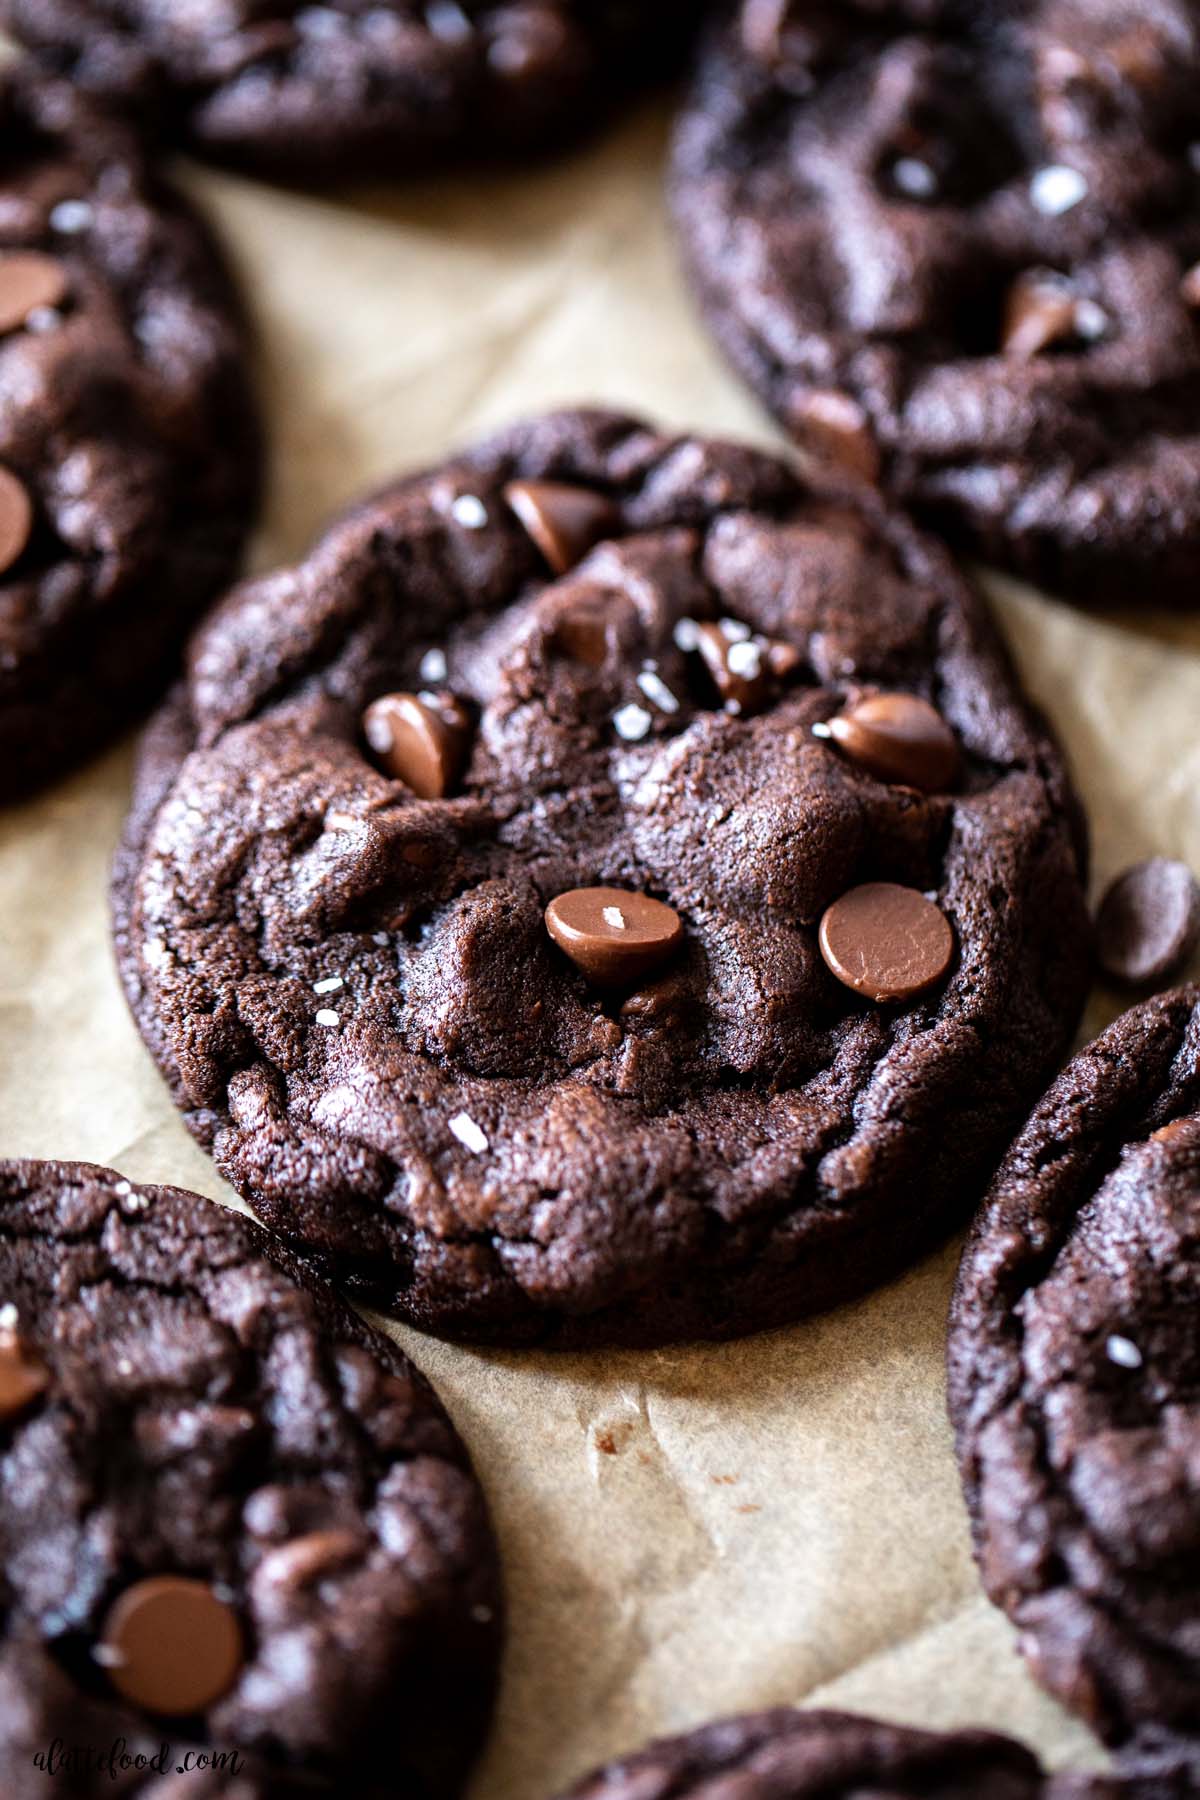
(611, 890)
(350, 88)
(956, 249)
(786, 1755)
(232, 1517)
(1075, 1380)
(129, 451)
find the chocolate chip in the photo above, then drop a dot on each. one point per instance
(886, 942)
(583, 631)
(743, 668)
(1178, 1128)
(420, 739)
(16, 518)
(564, 522)
(837, 430)
(28, 281)
(899, 738)
(1148, 923)
(171, 1646)
(1041, 312)
(615, 937)
(24, 1377)
(1190, 287)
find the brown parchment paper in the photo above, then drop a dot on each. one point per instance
(699, 1530)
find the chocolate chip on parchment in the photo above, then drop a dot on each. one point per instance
(564, 522)
(420, 739)
(28, 282)
(1148, 923)
(171, 1645)
(886, 942)
(16, 518)
(614, 936)
(899, 738)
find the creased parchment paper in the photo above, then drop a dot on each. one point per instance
(695, 1531)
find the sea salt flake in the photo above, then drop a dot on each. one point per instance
(657, 691)
(1123, 1352)
(326, 1017)
(1091, 320)
(330, 985)
(468, 1133)
(469, 512)
(632, 722)
(615, 917)
(733, 631)
(914, 178)
(745, 659)
(71, 216)
(686, 635)
(434, 668)
(1056, 189)
(381, 938)
(9, 1318)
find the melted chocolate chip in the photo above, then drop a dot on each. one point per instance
(16, 518)
(420, 739)
(615, 937)
(564, 522)
(28, 281)
(899, 738)
(886, 942)
(171, 1646)
(24, 1377)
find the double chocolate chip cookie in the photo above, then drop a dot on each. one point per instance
(611, 891)
(787, 1755)
(355, 87)
(1075, 1381)
(129, 450)
(956, 248)
(240, 1537)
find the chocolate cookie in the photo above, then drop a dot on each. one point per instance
(787, 1755)
(354, 87)
(611, 891)
(956, 249)
(235, 1521)
(1075, 1380)
(128, 443)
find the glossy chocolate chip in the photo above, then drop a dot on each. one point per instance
(24, 1377)
(617, 938)
(16, 518)
(899, 738)
(564, 522)
(836, 429)
(1148, 923)
(583, 631)
(171, 1646)
(744, 669)
(420, 739)
(28, 281)
(1040, 313)
(886, 942)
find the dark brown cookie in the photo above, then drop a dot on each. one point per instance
(233, 1518)
(787, 1755)
(353, 87)
(129, 454)
(510, 1107)
(956, 248)
(1075, 1380)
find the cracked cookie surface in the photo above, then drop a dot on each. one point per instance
(353, 87)
(356, 996)
(956, 248)
(1075, 1380)
(191, 1407)
(129, 451)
